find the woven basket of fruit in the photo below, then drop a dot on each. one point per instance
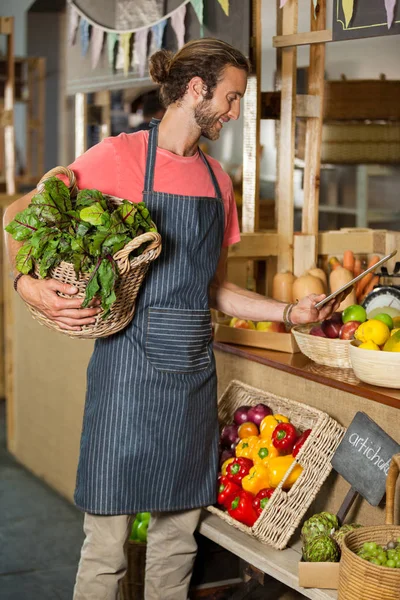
(275, 456)
(331, 352)
(370, 563)
(100, 244)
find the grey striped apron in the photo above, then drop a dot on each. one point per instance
(150, 430)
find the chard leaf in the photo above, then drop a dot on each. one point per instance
(127, 211)
(89, 197)
(92, 288)
(106, 220)
(78, 244)
(82, 229)
(107, 275)
(23, 226)
(59, 193)
(115, 242)
(24, 259)
(92, 214)
(47, 209)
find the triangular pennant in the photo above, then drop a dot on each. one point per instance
(178, 24)
(84, 33)
(140, 50)
(157, 34)
(348, 7)
(198, 6)
(96, 43)
(390, 6)
(124, 42)
(72, 25)
(315, 3)
(112, 39)
(282, 3)
(225, 6)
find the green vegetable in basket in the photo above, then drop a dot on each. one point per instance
(338, 535)
(320, 523)
(321, 548)
(86, 231)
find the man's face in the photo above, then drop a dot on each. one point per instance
(210, 115)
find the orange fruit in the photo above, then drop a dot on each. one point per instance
(247, 429)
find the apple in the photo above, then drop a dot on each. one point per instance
(317, 331)
(347, 330)
(271, 326)
(331, 328)
(336, 317)
(242, 324)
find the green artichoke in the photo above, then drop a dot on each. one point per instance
(321, 523)
(338, 535)
(321, 548)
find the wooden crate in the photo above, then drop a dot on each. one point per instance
(283, 342)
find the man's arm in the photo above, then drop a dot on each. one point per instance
(44, 294)
(238, 302)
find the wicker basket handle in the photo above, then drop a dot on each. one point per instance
(122, 256)
(60, 171)
(391, 480)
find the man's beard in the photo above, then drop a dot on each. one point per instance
(206, 121)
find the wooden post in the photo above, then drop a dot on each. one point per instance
(7, 27)
(80, 124)
(312, 157)
(41, 109)
(286, 142)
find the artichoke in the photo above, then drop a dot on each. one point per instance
(321, 523)
(338, 535)
(321, 548)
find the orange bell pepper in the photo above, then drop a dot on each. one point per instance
(277, 468)
(256, 480)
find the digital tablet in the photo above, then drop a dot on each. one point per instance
(353, 281)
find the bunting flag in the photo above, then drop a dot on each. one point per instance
(348, 7)
(112, 39)
(178, 24)
(198, 6)
(390, 6)
(125, 46)
(96, 42)
(225, 6)
(84, 34)
(140, 50)
(282, 3)
(73, 25)
(157, 34)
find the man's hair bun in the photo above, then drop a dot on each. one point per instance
(159, 66)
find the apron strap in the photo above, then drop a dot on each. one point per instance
(151, 160)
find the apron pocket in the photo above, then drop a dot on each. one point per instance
(178, 340)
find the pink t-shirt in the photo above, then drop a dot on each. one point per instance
(116, 166)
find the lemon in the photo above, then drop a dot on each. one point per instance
(369, 346)
(394, 331)
(373, 331)
(385, 318)
(393, 343)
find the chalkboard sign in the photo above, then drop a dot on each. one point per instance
(363, 457)
(368, 20)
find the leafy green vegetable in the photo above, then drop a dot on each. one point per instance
(85, 231)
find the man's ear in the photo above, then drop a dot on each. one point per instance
(197, 88)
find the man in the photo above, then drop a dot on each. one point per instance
(150, 430)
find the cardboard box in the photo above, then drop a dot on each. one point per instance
(319, 575)
(283, 342)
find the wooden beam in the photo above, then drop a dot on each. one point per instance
(312, 158)
(285, 205)
(302, 39)
(362, 100)
(255, 245)
(336, 242)
(305, 246)
(80, 124)
(7, 26)
(306, 105)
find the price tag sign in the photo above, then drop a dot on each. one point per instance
(363, 457)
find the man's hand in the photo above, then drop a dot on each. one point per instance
(305, 312)
(66, 312)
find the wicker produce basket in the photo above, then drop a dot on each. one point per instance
(132, 272)
(285, 509)
(324, 351)
(360, 579)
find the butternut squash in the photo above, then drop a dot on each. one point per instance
(320, 273)
(339, 277)
(282, 286)
(305, 285)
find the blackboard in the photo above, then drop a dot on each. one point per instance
(363, 457)
(369, 20)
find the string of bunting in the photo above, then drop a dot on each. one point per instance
(95, 36)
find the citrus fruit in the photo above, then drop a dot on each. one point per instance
(395, 331)
(355, 312)
(393, 343)
(385, 318)
(247, 429)
(369, 346)
(373, 331)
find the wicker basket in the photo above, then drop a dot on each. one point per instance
(285, 509)
(324, 351)
(360, 579)
(376, 367)
(132, 272)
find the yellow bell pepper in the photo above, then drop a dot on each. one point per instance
(281, 418)
(277, 468)
(269, 423)
(225, 464)
(245, 446)
(256, 480)
(263, 451)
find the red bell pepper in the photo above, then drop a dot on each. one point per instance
(300, 442)
(241, 509)
(261, 500)
(226, 490)
(284, 437)
(238, 468)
